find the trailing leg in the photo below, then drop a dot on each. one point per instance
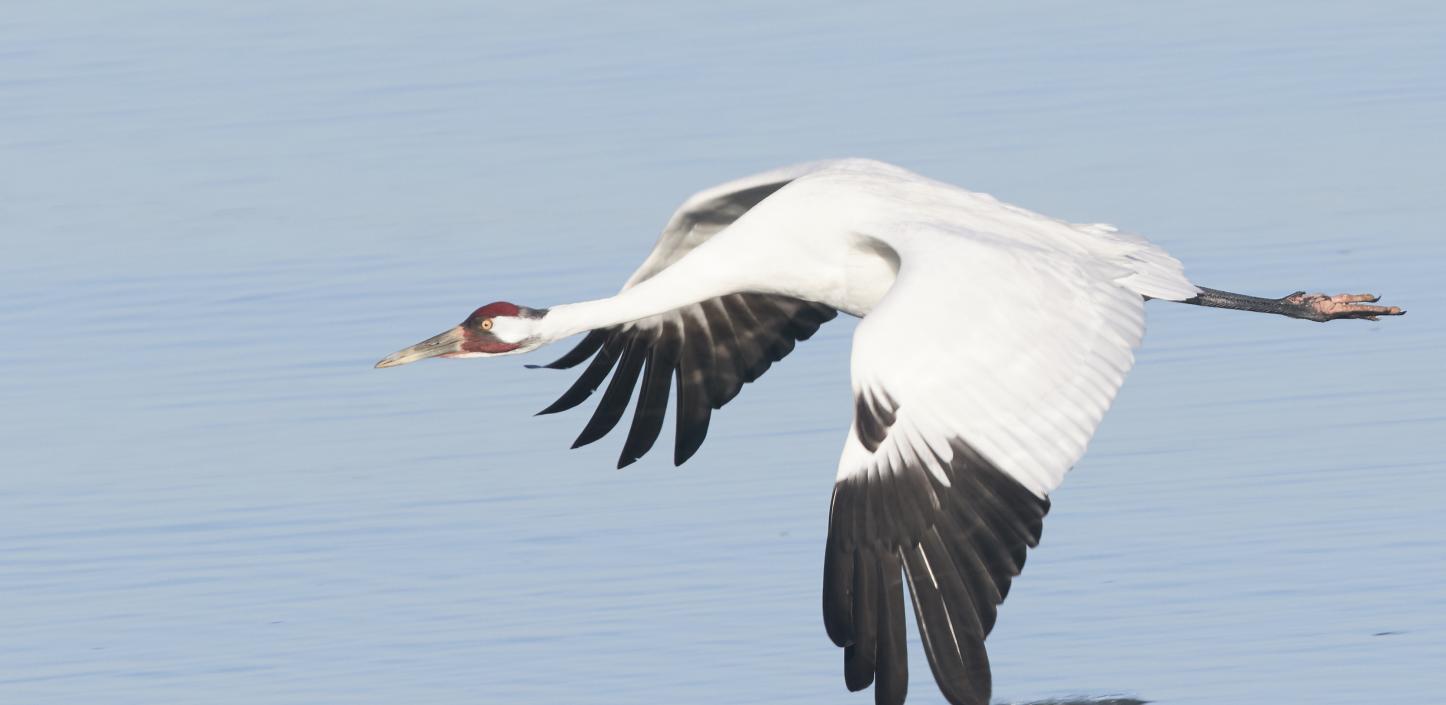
(1312, 307)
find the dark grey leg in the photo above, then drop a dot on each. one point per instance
(1312, 307)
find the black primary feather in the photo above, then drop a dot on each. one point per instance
(709, 350)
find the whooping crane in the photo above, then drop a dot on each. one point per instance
(993, 339)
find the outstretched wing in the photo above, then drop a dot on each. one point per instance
(973, 396)
(711, 348)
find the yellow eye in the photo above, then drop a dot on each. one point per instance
(486, 324)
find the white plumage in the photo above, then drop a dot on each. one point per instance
(1000, 325)
(993, 341)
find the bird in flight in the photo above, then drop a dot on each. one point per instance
(993, 340)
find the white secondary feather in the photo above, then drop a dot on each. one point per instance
(1019, 357)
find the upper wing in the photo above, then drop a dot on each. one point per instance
(711, 210)
(978, 380)
(712, 348)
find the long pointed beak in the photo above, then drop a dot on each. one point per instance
(446, 343)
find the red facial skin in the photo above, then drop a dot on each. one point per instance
(477, 340)
(473, 343)
(496, 308)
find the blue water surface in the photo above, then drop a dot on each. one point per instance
(216, 216)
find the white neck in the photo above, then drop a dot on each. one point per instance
(688, 281)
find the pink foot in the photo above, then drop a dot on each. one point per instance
(1319, 307)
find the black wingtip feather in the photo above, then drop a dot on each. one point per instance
(582, 351)
(652, 404)
(861, 656)
(715, 346)
(838, 571)
(892, 680)
(948, 628)
(693, 416)
(958, 545)
(590, 379)
(615, 398)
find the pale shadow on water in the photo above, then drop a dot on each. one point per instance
(1106, 700)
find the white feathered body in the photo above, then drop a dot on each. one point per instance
(982, 320)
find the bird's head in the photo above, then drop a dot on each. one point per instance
(499, 328)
